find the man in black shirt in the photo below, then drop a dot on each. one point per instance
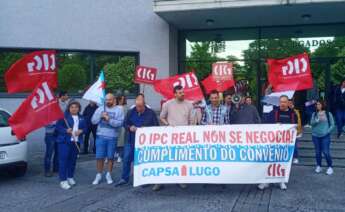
(283, 115)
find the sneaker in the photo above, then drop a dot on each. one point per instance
(64, 185)
(295, 161)
(157, 187)
(282, 186)
(121, 182)
(108, 178)
(119, 159)
(329, 171)
(318, 169)
(71, 181)
(97, 179)
(262, 186)
(307, 126)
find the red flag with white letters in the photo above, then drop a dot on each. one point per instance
(188, 81)
(211, 84)
(33, 68)
(38, 110)
(144, 74)
(291, 73)
(222, 71)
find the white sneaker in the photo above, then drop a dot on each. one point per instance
(64, 185)
(282, 186)
(329, 171)
(262, 186)
(71, 181)
(97, 179)
(295, 161)
(108, 178)
(318, 169)
(119, 159)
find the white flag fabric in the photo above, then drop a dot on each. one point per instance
(96, 92)
(273, 98)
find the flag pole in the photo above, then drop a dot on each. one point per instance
(72, 135)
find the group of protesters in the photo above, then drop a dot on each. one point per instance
(111, 123)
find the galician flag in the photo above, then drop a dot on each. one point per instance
(96, 92)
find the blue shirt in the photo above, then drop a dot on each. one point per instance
(146, 119)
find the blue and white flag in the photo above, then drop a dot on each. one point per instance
(96, 92)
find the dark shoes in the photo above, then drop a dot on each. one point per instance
(121, 182)
(48, 174)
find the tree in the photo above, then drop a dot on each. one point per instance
(338, 69)
(201, 59)
(330, 50)
(270, 48)
(120, 75)
(72, 77)
(6, 60)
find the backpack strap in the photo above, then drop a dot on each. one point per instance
(292, 117)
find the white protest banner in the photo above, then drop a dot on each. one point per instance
(226, 154)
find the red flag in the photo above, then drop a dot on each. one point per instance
(30, 70)
(292, 73)
(38, 110)
(145, 74)
(188, 81)
(211, 84)
(222, 71)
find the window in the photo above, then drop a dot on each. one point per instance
(79, 69)
(4, 116)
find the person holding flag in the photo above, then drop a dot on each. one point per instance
(109, 119)
(69, 134)
(215, 113)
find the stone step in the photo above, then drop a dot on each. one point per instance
(309, 145)
(311, 162)
(310, 153)
(308, 136)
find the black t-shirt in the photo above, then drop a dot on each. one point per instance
(285, 117)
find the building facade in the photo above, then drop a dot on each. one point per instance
(157, 32)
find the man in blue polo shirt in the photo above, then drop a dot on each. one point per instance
(139, 116)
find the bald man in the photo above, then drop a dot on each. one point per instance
(139, 116)
(109, 119)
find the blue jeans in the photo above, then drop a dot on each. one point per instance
(322, 146)
(128, 157)
(105, 147)
(68, 153)
(51, 148)
(340, 118)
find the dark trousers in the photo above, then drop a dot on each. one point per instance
(295, 152)
(309, 110)
(51, 151)
(68, 153)
(128, 157)
(340, 119)
(93, 130)
(322, 145)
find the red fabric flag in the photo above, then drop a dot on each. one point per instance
(291, 73)
(211, 84)
(222, 71)
(145, 75)
(26, 73)
(38, 110)
(188, 81)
